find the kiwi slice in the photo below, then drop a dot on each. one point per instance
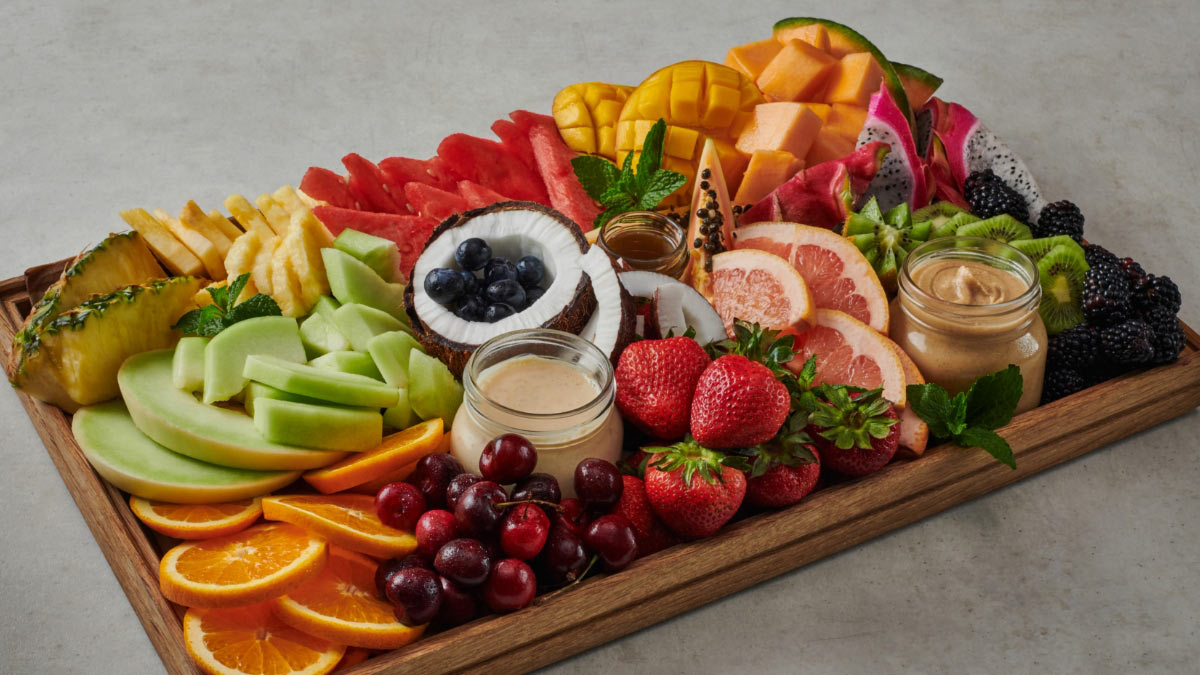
(1061, 269)
(1037, 249)
(937, 213)
(949, 227)
(1002, 228)
(886, 238)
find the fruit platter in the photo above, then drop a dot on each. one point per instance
(653, 343)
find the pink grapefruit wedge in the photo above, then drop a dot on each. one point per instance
(914, 432)
(849, 351)
(836, 272)
(759, 287)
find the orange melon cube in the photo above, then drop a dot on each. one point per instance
(798, 72)
(858, 76)
(768, 169)
(822, 110)
(846, 119)
(790, 127)
(814, 34)
(752, 58)
(828, 145)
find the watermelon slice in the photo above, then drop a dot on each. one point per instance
(433, 203)
(554, 162)
(402, 171)
(526, 120)
(515, 141)
(489, 164)
(408, 232)
(327, 186)
(478, 196)
(367, 184)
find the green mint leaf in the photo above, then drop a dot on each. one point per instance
(608, 215)
(235, 291)
(659, 186)
(595, 174)
(220, 296)
(931, 403)
(989, 441)
(258, 305)
(627, 166)
(993, 398)
(617, 197)
(200, 321)
(651, 159)
(957, 421)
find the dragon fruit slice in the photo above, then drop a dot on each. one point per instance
(901, 178)
(970, 146)
(821, 195)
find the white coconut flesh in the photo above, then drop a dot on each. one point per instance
(696, 312)
(510, 234)
(603, 328)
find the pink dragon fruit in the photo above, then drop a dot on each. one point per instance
(821, 195)
(902, 176)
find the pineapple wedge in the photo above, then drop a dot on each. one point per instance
(289, 199)
(248, 216)
(277, 216)
(260, 272)
(196, 219)
(304, 256)
(174, 255)
(73, 360)
(285, 286)
(242, 256)
(223, 224)
(197, 243)
(309, 201)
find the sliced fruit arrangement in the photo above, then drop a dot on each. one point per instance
(586, 115)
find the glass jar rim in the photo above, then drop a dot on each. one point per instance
(1012, 260)
(646, 217)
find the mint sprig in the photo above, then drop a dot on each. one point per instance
(623, 191)
(970, 418)
(223, 313)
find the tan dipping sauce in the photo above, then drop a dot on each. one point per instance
(960, 316)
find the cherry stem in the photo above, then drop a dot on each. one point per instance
(587, 569)
(542, 502)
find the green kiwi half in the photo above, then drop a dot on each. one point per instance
(1001, 228)
(1061, 270)
(1037, 249)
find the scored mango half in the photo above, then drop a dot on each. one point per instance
(586, 115)
(699, 100)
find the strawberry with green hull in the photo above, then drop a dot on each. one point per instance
(652, 535)
(782, 476)
(737, 403)
(656, 381)
(856, 433)
(694, 490)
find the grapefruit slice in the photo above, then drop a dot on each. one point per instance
(761, 287)
(849, 351)
(914, 432)
(837, 273)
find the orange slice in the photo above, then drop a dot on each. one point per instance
(397, 450)
(353, 657)
(342, 604)
(761, 287)
(849, 352)
(914, 432)
(254, 565)
(372, 486)
(196, 521)
(347, 520)
(837, 273)
(253, 641)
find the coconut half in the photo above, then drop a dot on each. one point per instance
(611, 327)
(512, 230)
(677, 306)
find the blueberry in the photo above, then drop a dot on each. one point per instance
(506, 291)
(530, 271)
(532, 294)
(499, 269)
(497, 311)
(470, 283)
(444, 285)
(471, 309)
(472, 254)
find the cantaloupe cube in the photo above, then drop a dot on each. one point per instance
(799, 72)
(752, 58)
(790, 127)
(828, 145)
(821, 109)
(858, 76)
(814, 34)
(768, 169)
(846, 119)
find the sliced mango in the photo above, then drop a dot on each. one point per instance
(828, 145)
(858, 76)
(799, 72)
(822, 110)
(846, 119)
(790, 127)
(768, 169)
(750, 59)
(586, 115)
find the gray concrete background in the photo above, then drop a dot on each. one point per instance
(1089, 568)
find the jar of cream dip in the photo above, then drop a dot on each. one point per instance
(967, 307)
(554, 388)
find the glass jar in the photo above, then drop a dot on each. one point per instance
(554, 388)
(954, 342)
(646, 240)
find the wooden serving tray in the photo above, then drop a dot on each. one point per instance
(603, 608)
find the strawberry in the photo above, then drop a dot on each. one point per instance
(635, 464)
(655, 382)
(855, 433)
(652, 536)
(738, 403)
(782, 474)
(695, 490)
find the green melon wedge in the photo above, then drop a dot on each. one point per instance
(133, 462)
(390, 353)
(330, 427)
(352, 280)
(377, 253)
(179, 421)
(355, 363)
(360, 323)
(257, 391)
(401, 415)
(321, 337)
(188, 363)
(326, 385)
(225, 356)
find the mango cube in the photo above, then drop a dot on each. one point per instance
(858, 76)
(768, 169)
(752, 58)
(828, 145)
(822, 110)
(846, 119)
(790, 127)
(799, 72)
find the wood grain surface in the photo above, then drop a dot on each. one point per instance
(673, 581)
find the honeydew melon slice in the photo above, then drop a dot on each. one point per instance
(225, 355)
(360, 323)
(325, 385)
(390, 353)
(179, 421)
(257, 391)
(401, 415)
(376, 252)
(432, 391)
(187, 367)
(352, 280)
(130, 460)
(355, 363)
(320, 337)
(326, 306)
(321, 426)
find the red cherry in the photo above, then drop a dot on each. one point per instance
(457, 486)
(458, 606)
(431, 476)
(598, 484)
(465, 561)
(511, 586)
(612, 538)
(523, 532)
(416, 594)
(476, 512)
(507, 459)
(389, 567)
(564, 558)
(572, 516)
(434, 529)
(399, 505)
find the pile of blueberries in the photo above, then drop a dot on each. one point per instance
(504, 288)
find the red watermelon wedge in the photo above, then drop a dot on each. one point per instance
(478, 196)
(434, 203)
(554, 162)
(327, 186)
(526, 120)
(367, 184)
(408, 232)
(402, 171)
(515, 141)
(490, 165)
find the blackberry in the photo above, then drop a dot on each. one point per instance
(989, 196)
(1168, 337)
(1096, 254)
(1074, 348)
(1157, 291)
(1061, 382)
(1105, 295)
(1129, 343)
(1134, 271)
(1060, 218)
